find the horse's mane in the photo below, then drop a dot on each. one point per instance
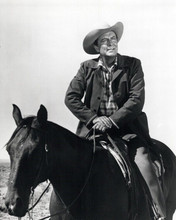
(65, 132)
(53, 128)
(51, 125)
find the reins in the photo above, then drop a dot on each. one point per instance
(38, 200)
(66, 209)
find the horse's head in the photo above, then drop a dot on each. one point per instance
(26, 149)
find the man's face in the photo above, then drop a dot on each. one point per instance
(107, 44)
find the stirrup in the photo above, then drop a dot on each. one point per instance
(160, 218)
(157, 216)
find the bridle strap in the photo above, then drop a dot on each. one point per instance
(79, 194)
(38, 173)
(44, 158)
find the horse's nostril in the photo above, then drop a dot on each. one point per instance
(10, 209)
(13, 206)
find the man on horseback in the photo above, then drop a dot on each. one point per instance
(113, 86)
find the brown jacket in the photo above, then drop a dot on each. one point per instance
(128, 91)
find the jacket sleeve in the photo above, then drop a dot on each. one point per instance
(74, 95)
(136, 95)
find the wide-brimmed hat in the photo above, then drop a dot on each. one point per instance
(92, 36)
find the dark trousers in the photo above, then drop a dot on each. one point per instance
(141, 155)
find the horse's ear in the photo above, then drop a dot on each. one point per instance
(17, 115)
(42, 115)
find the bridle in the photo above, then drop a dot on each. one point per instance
(44, 159)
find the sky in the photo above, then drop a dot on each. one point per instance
(41, 51)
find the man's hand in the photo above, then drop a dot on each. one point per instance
(102, 123)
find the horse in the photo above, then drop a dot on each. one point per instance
(87, 183)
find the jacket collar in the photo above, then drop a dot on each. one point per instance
(121, 62)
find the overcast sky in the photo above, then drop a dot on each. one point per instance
(41, 51)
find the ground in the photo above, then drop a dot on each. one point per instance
(41, 209)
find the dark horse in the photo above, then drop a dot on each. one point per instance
(86, 185)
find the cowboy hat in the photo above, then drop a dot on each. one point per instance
(92, 36)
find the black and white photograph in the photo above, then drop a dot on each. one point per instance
(87, 110)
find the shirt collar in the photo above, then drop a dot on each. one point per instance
(101, 64)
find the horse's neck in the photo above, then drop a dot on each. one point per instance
(70, 158)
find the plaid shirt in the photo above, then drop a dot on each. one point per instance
(107, 104)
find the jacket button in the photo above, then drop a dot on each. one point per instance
(95, 110)
(98, 98)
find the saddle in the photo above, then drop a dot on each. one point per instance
(119, 150)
